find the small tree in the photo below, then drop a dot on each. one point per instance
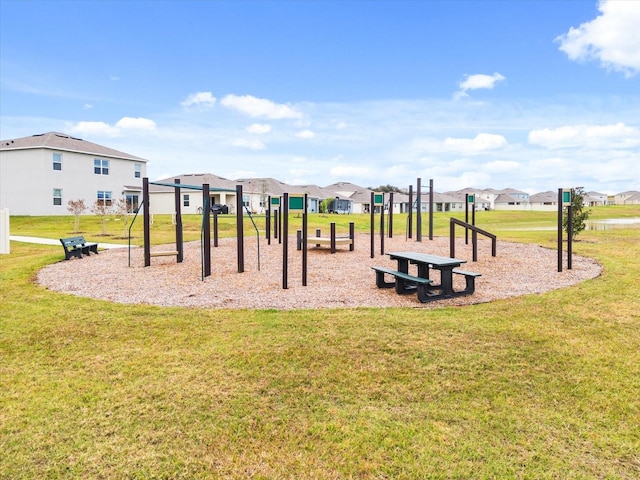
(101, 209)
(579, 215)
(121, 211)
(77, 207)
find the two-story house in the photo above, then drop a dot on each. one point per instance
(40, 174)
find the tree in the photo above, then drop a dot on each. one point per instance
(77, 207)
(579, 215)
(121, 211)
(101, 209)
(387, 189)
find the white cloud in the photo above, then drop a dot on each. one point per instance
(617, 135)
(203, 100)
(117, 130)
(613, 37)
(129, 123)
(481, 143)
(259, 107)
(252, 144)
(305, 134)
(502, 166)
(352, 171)
(259, 128)
(477, 81)
(94, 128)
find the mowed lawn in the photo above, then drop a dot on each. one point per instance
(540, 386)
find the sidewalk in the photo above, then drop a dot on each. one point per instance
(52, 241)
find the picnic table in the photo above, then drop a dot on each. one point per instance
(422, 283)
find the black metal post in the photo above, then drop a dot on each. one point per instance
(466, 218)
(240, 228)
(146, 217)
(284, 207)
(391, 215)
(268, 221)
(569, 235)
(559, 230)
(206, 237)
(371, 224)
(304, 242)
(419, 211)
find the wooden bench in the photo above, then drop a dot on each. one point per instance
(330, 241)
(400, 280)
(77, 246)
(470, 278)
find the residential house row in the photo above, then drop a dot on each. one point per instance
(40, 174)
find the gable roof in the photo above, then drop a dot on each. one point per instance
(196, 180)
(66, 143)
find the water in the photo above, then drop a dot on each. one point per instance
(612, 223)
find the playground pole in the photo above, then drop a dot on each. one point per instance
(391, 215)
(239, 228)
(146, 220)
(371, 225)
(419, 212)
(206, 234)
(285, 240)
(304, 243)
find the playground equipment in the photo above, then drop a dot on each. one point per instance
(205, 231)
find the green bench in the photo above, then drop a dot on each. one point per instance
(401, 279)
(470, 278)
(77, 246)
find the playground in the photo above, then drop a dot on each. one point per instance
(342, 279)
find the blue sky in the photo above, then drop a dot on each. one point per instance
(534, 95)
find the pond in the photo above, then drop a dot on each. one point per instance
(611, 223)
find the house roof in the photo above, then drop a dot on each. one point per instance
(64, 142)
(544, 197)
(194, 179)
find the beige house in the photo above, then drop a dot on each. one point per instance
(40, 174)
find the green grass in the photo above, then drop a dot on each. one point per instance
(541, 386)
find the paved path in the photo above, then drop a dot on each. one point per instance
(53, 241)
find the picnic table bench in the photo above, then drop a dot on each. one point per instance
(330, 241)
(422, 284)
(77, 246)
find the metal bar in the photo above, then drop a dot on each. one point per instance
(146, 218)
(206, 223)
(239, 229)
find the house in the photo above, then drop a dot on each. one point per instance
(544, 201)
(631, 197)
(40, 174)
(162, 195)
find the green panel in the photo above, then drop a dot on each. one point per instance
(296, 203)
(471, 199)
(566, 197)
(275, 201)
(378, 199)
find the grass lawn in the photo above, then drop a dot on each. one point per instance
(540, 386)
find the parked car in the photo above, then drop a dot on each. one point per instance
(217, 208)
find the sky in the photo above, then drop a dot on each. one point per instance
(531, 95)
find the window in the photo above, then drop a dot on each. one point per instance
(185, 200)
(57, 161)
(104, 198)
(137, 170)
(57, 196)
(100, 167)
(132, 203)
(246, 199)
